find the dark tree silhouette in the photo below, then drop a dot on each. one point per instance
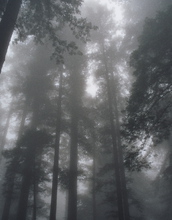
(7, 25)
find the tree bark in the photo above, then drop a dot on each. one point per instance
(7, 25)
(53, 206)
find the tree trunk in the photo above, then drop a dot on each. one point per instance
(53, 206)
(26, 183)
(72, 196)
(123, 213)
(28, 167)
(121, 163)
(35, 192)
(8, 198)
(94, 180)
(7, 25)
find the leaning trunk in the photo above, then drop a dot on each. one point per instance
(7, 25)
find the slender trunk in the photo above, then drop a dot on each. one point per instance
(72, 199)
(94, 180)
(35, 192)
(7, 25)
(53, 206)
(72, 196)
(117, 155)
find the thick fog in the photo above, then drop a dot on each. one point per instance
(85, 110)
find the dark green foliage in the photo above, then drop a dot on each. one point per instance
(150, 105)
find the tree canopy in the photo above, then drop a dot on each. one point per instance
(150, 105)
(44, 20)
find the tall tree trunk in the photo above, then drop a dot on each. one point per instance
(121, 162)
(28, 167)
(72, 196)
(8, 199)
(7, 25)
(120, 184)
(26, 183)
(53, 206)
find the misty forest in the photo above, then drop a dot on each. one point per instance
(85, 110)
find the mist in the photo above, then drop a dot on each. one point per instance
(85, 110)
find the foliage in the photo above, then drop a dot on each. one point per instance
(150, 105)
(49, 18)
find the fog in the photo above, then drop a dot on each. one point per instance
(85, 110)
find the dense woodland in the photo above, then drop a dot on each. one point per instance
(85, 110)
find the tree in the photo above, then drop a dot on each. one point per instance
(25, 164)
(34, 142)
(48, 17)
(33, 104)
(7, 25)
(108, 58)
(53, 205)
(76, 87)
(11, 172)
(149, 107)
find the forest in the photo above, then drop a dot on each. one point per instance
(85, 110)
